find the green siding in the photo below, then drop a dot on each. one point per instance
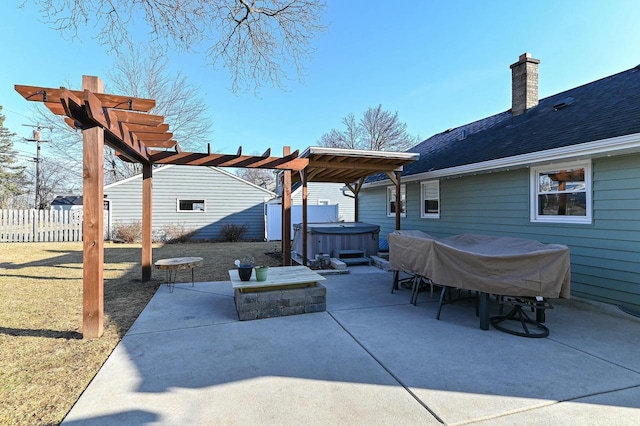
(605, 255)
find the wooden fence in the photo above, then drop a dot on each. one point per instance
(40, 225)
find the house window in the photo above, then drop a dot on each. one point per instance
(430, 199)
(561, 193)
(323, 202)
(190, 205)
(391, 200)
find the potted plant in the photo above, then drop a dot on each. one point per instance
(261, 272)
(245, 267)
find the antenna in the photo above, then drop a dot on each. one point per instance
(37, 128)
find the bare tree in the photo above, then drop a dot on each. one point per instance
(55, 178)
(263, 178)
(377, 130)
(256, 40)
(144, 75)
(349, 138)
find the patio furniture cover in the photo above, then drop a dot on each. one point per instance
(496, 265)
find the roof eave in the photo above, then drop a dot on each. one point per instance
(601, 148)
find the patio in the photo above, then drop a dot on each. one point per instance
(371, 358)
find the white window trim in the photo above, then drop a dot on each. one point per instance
(423, 214)
(403, 188)
(323, 202)
(533, 193)
(204, 202)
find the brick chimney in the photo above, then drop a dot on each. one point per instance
(524, 84)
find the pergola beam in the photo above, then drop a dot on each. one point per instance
(343, 165)
(287, 162)
(45, 94)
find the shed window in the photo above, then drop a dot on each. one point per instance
(391, 200)
(191, 205)
(430, 199)
(561, 193)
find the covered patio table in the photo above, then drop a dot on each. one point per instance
(502, 266)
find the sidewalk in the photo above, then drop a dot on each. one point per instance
(371, 359)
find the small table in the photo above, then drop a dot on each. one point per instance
(288, 290)
(173, 265)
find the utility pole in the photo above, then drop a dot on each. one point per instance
(37, 128)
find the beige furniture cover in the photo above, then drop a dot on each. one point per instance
(496, 265)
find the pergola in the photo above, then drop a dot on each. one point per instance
(124, 124)
(351, 167)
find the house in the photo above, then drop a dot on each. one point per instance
(563, 169)
(67, 202)
(200, 199)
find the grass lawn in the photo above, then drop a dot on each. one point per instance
(44, 363)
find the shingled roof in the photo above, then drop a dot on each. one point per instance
(603, 109)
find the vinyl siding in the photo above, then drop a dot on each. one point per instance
(605, 255)
(228, 200)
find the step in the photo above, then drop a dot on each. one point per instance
(340, 254)
(338, 264)
(356, 260)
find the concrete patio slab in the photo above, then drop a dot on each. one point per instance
(290, 370)
(614, 408)
(464, 374)
(372, 358)
(204, 304)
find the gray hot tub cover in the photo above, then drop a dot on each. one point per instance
(497, 265)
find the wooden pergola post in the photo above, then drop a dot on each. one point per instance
(93, 223)
(398, 199)
(147, 188)
(355, 192)
(305, 195)
(286, 213)
(355, 207)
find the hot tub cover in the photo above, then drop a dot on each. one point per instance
(339, 228)
(497, 265)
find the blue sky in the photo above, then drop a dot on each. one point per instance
(439, 64)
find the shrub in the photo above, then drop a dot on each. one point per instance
(231, 232)
(129, 232)
(177, 233)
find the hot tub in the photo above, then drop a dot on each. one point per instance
(326, 238)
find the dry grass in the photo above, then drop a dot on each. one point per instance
(44, 363)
